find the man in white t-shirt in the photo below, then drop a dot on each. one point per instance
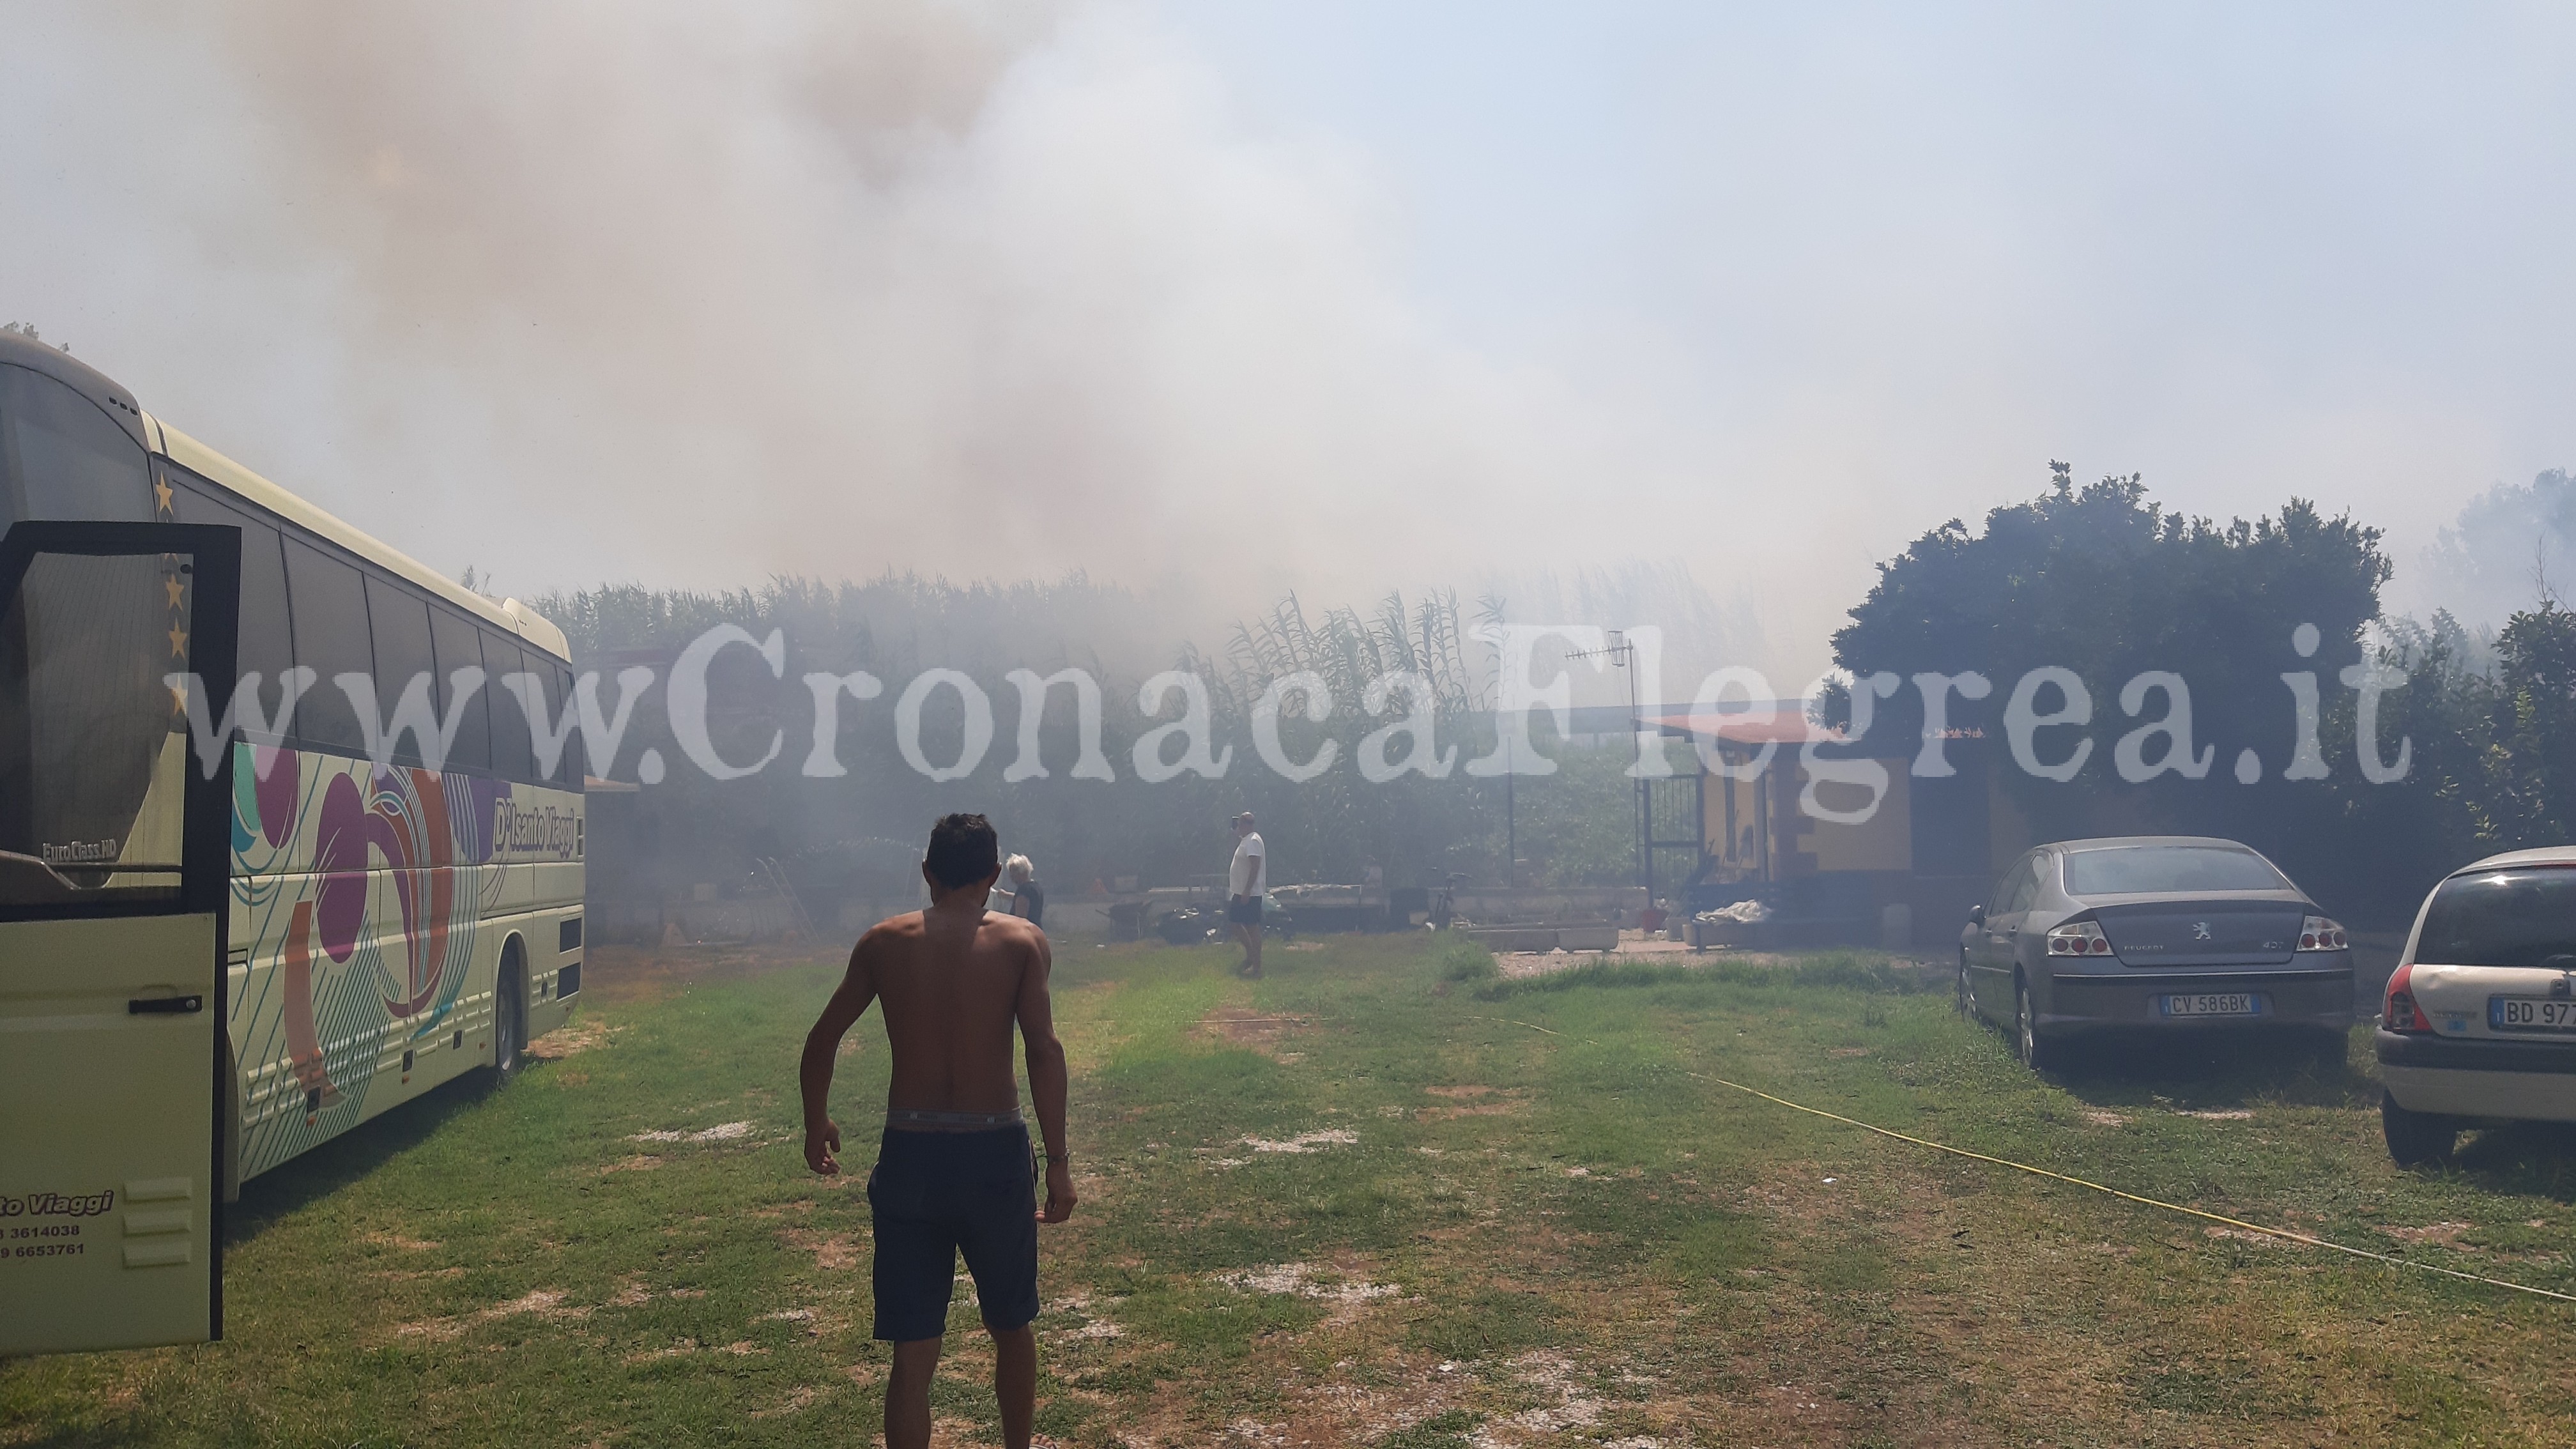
(1244, 883)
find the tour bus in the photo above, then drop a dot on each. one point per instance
(230, 932)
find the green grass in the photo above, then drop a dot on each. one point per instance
(1552, 1226)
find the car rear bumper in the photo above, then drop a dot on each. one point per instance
(2531, 1081)
(2133, 1000)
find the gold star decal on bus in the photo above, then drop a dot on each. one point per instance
(172, 585)
(178, 643)
(161, 493)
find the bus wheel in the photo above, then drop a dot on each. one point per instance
(509, 1016)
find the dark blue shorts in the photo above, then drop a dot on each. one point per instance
(1245, 912)
(940, 1194)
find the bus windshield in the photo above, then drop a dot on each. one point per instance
(61, 457)
(93, 750)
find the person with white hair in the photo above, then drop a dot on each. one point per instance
(1028, 898)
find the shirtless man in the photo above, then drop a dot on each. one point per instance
(954, 1172)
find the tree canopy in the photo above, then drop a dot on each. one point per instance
(2107, 583)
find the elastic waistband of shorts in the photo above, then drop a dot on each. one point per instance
(915, 1119)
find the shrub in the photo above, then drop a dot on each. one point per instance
(1465, 961)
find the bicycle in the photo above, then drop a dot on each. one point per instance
(1444, 900)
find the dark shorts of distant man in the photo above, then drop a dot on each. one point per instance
(1245, 912)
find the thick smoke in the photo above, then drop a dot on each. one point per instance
(691, 295)
(2511, 548)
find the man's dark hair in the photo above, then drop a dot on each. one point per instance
(963, 850)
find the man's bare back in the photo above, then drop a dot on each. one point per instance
(952, 988)
(952, 1173)
(954, 980)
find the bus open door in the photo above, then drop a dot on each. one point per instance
(115, 821)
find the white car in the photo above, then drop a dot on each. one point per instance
(2479, 1022)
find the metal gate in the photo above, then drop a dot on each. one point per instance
(1670, 816)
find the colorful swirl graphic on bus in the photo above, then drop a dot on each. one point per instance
(363, 899)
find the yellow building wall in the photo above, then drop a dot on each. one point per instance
(1885, 841)
(1741, 847)
(1800, 844)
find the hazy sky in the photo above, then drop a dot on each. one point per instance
(1224, 299)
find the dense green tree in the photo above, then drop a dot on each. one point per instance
(2102, 581)
(2524, 792)
(2490, 729)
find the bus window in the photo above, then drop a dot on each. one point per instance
(400, 623)
(330, 601)
(60, 457)
(458, 649)
(573, 766)
(512, 756)
(265, 644)
(85, 734)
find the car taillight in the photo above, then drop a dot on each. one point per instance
(2399, 1012)
(2079, 938)
(2316, 933)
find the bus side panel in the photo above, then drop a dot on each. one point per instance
(369, 908)
(543, 841)
(554, 945)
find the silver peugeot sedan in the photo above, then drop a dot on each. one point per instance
(2151, 933)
